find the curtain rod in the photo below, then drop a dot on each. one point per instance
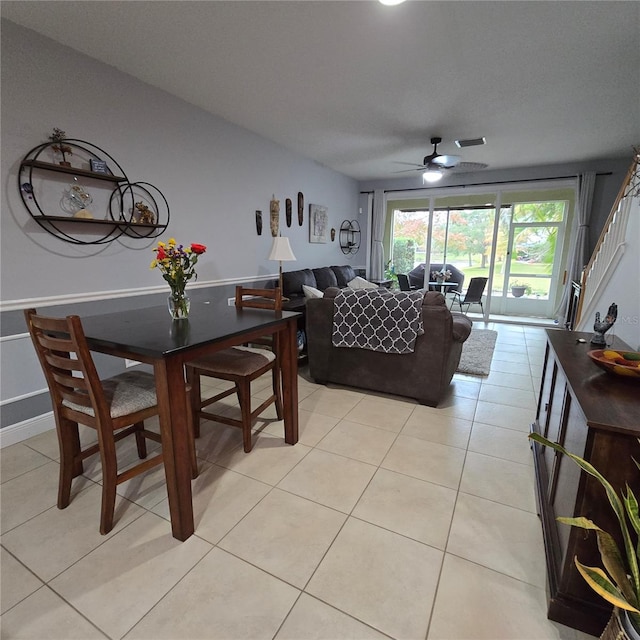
(482, 184)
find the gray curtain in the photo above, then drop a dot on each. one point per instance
(577, 258)
(377, 235)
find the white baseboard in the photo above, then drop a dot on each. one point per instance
(20, 431)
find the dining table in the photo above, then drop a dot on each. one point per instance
(150, 336)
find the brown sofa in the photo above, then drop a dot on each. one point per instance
(424, 374)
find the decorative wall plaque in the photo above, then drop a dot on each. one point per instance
(287, 203)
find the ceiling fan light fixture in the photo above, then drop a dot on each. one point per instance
(432, 175)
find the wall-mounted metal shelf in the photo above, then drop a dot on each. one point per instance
(129, 206)
(349, 236)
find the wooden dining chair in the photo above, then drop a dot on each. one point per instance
(240, 365)
(115, 407)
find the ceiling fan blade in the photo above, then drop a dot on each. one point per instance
(416, 168)
(408, 164)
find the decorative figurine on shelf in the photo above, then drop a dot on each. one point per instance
(601, 328)
(274, 210)
(77, 199)
(58, 136)
(146, 216)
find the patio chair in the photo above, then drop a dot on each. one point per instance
(473, 294)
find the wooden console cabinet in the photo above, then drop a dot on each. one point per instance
(597, 416)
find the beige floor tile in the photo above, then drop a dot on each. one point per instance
(32, 493)
(358, 441)
(429, 424)
(147, 489)
(285, 535)
(311, 619)
(501, 443)
(120, 581)
(312, 427)
(502, 481)
(73, 533)
(502, 415)
(18, 459)
(496, 607)
(269, 460)
(510, 397)
(465, 388)
(414, 508)
(384, 414)
(457, 406)
(217, 440)
(16, 581)
(331, 402)
(425, 460)
(330, 479)
(45, 615)
(517, 357)
(221, 498)
(222, 598)
(45, 443)
(517, 368)
(498, 537)
(366, 562)
(509, 380)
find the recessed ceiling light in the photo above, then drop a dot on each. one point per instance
(470, 142)
(390, 3)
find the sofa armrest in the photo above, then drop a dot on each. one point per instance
(461, 326)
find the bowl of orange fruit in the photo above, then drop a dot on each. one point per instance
(620, 363)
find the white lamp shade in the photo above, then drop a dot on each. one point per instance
(281, 249)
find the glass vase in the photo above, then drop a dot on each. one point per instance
(179, 306)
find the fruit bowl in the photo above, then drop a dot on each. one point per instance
(620, 363)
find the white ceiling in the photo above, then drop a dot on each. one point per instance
(358, 86)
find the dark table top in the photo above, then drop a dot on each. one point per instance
(608, 401)
(151, 332)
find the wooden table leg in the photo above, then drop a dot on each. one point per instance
(289, 367)
(176, 443)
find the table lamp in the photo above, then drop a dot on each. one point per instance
(281, 251)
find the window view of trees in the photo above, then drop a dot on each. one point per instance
(463, 237)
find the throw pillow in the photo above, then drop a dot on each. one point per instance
(361, 283)
(311, 292)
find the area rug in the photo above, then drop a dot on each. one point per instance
(477, 352)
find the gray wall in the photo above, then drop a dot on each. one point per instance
(213, 174)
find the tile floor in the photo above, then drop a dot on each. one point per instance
(387, 520)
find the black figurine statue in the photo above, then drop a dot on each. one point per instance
(601, 328)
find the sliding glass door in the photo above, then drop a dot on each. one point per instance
(513, 238)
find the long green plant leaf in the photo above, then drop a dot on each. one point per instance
(600, 583)
(610, 554)
(614, 501)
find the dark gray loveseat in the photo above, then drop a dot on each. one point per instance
(424, 374)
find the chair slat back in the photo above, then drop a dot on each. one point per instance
(66, 360)
(259, 298)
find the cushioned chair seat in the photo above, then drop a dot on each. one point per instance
(125, 393)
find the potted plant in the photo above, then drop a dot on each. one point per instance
(619, 582)
(518, 289)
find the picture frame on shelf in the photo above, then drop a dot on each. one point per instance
(99, 166)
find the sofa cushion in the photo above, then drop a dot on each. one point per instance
(361, 283)
(292, 282)
(325, 278)
(311, 292)
(344, 274)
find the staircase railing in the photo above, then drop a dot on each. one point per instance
(611, 244)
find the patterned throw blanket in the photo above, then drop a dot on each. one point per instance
(378, 320)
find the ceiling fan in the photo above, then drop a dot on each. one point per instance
(434, 165)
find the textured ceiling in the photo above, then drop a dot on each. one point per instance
(358, 86)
